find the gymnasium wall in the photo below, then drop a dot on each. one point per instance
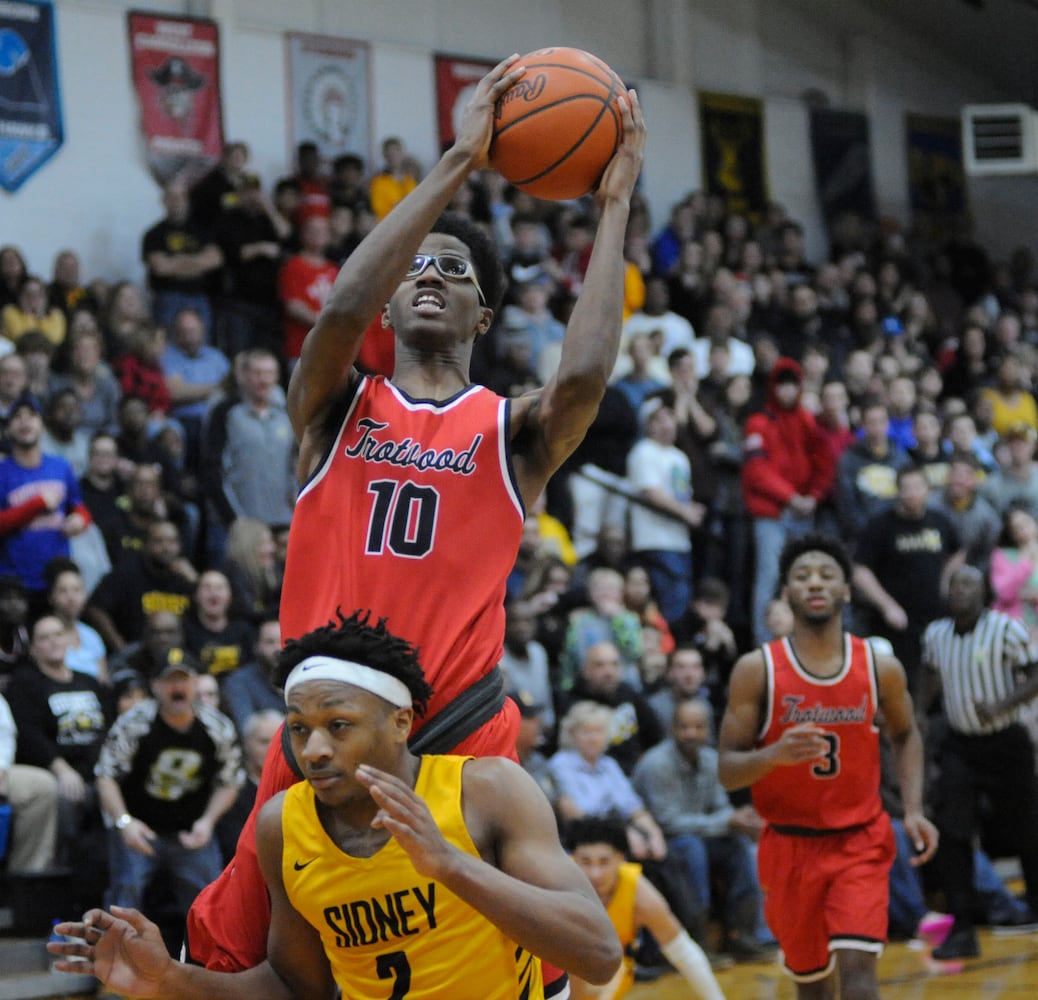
(97, 196)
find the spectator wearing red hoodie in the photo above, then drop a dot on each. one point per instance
(788, 469)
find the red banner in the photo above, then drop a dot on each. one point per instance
(456, 78)
(176, 72)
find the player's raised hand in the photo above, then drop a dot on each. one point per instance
(403, 814)
(799, 744)
(476, 128)
(622, 172)
(122, 948)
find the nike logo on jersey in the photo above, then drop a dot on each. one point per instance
(300, 865)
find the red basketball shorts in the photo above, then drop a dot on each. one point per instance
(824, 893)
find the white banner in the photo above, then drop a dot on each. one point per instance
(329, 95)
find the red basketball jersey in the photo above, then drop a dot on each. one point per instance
(840, 789)
(415, 515)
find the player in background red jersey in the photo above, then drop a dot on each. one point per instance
(801, 731)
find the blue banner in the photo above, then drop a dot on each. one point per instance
(31, 131)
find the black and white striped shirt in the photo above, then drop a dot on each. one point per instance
(978, 665)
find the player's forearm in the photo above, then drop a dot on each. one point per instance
(372, 272)
(567, 928)
(593, 332)
(364, 284)
(189, 982)
(742, 768)
(908, 765)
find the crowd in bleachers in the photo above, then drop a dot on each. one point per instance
(149, 477)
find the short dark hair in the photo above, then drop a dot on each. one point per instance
(58, 565)
(814, 542)
(484, 254)
(347, 160)
(965, 458)
(595, 830)
(353, 638)
(34, 342)
(677, 356)
(910, 470)
(712, 590)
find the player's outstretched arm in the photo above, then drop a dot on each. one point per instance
(126, 952)
(372, 272)
(652, 912)
(560, 413)
(741, 764)
(524, 882)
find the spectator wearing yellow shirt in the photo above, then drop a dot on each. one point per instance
(555, 538)
(31, 312)
(1011, 402)
(394, 181)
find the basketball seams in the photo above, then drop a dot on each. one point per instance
(577, 143)
(612, 81)
(609, 82)
(606, 105)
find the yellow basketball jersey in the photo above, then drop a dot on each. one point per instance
(621, 913)
(390, 933)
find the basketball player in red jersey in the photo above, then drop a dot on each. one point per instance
(415, 487)
(801, 731)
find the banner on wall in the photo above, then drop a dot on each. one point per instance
(456, 79)
(936, 179)
(175, 62)
(841, 151)
(329, 95)
(31, 130)
(732, 130)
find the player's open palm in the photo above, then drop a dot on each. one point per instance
(407, 818)
(123, 949)
(476, 128)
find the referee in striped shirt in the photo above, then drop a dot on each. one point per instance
(978, 656)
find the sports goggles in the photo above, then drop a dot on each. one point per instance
(450, 265)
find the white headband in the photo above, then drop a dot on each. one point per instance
(328, 668)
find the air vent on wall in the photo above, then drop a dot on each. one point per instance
(1000, 139)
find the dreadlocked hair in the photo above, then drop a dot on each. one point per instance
(354, 638)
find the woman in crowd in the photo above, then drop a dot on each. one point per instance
(253, 570)
(1014, 568)
(13, 271)
(126, 311)
(67, 596)
(91, 380)
(638, 598)
(30, 311)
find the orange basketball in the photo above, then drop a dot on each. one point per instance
(557, 128)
